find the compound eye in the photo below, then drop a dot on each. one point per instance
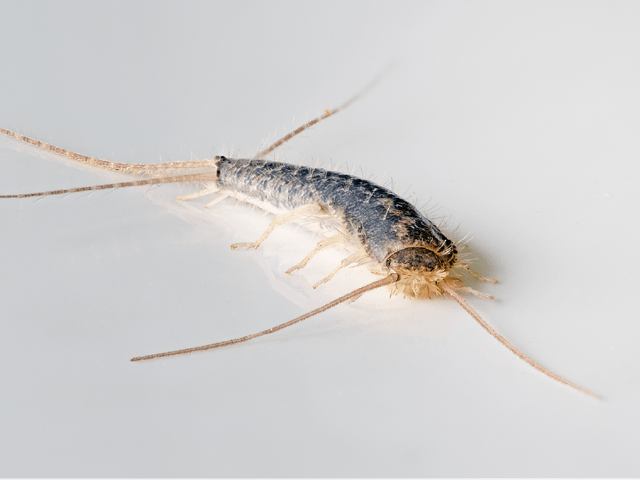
(388, 262)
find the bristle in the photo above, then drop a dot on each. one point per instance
(418, 283)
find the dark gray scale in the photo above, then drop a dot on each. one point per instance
(379, 219)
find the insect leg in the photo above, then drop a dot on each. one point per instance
(200, 193)
(322, 245)
(281, 220)
(356, 258)
(477, 276)
(477, 293)
(217, 200)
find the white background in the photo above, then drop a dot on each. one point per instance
(519, 121)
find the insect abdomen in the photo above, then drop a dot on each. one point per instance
(380, 220)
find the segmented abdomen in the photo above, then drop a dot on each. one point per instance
(380, 220)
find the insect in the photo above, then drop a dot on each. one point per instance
(387, 233)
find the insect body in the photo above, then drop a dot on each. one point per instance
(388, 231)
(385, 232)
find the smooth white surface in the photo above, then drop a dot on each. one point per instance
(519, 121)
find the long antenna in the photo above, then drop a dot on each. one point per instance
(126, 168)
(326, 114)
(356, 293)
(507, 344)
(192, 177)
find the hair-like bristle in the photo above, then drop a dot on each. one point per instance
(418, 283)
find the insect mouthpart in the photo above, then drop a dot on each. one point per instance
(420, 269)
